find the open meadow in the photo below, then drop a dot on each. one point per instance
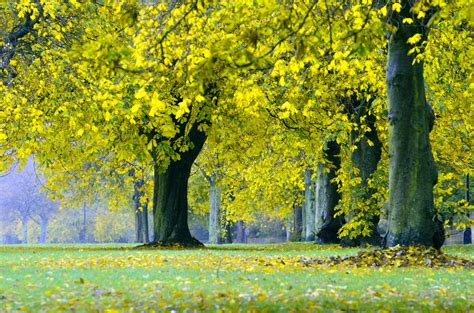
(278, 277)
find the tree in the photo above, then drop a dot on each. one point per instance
(123, 82)
(22, 195)
(412, 168)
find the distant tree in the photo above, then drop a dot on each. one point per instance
(22, 196)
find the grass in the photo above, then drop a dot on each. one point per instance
(116, 278)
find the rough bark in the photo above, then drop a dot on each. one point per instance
(309, 206)
(412, 172)
(327, 197)
(215, 231)
(170, 205)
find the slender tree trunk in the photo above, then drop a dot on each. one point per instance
(83, 231)
(288, 229)
(215, 232)
(327, 197)
(226, 237)
(297, 223)
(412, 173)
(309, 206)
(24, 229)
(241, 236)
(43, 229)
(467, 235)
(170, 199)
(146, 233)
(140, 227)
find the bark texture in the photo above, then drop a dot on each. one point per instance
(412, 173)
(327, 197)
(297, 231)
(170, 205)
(309, 207)
(215, 228)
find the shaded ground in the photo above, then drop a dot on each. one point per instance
(230, 277)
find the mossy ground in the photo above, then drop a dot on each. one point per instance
(116, 278)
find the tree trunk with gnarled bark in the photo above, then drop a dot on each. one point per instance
(412, 172)
(170, 205)
(327, 197)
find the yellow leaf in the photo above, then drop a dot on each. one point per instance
(414, 39)
(135, 108)
(397, 7)
(200, 98)
(141, 93)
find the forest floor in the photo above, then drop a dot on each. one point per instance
(279, 277)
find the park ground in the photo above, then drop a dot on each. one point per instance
(119, 278)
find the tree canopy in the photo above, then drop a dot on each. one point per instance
(113, 86)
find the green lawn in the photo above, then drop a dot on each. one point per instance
(112, 278)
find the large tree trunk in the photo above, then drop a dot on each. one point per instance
(215, 227)
(309, 206)
(327, 197)
(43, 229)
(412, 168)
(170, 198)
